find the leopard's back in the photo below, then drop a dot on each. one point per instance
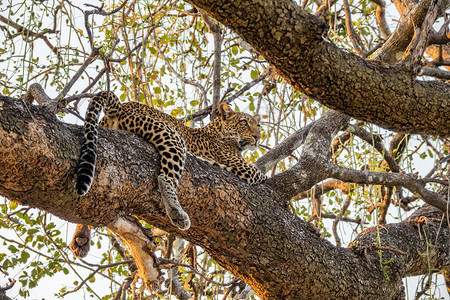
(221, 142)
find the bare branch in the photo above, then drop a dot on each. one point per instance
(91, 58)
(98, 11)
(339, 218)
(388, 179)
(380, 14)
(311, 167)
(351, 31)
(344, 219)
(217, 33)
(418, 45)
(434, 72)
(440, 162)
(377, 143)
(36, 92)
(284, 149)
(141, 246)
(173, 282)
(321, 189)
(384, 205)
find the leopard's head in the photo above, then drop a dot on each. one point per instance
(239, 127)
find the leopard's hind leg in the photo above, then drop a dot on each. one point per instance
(172, 149)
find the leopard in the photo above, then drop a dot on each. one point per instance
(220, 143)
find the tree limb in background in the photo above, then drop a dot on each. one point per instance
(356, 41)
(389, 179)
(339, 218)
(415, 50)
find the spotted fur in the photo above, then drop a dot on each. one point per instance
(220, 142)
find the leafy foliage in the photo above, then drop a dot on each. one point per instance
(176, 58)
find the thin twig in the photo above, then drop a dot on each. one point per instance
(169, 262)
(440, 162)
(99, 268)
(27, 32)
(338, 218)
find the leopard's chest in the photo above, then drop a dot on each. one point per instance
(210, 149)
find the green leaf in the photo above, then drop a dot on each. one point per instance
(251, 106)
(235, 50)
(12, 248)
(24, 256)
(254, 74)
(13, 205)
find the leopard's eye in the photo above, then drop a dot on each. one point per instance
(243, 122)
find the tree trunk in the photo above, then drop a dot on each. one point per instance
(248, 229)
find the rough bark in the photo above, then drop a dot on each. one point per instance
(247, 229)
(295, 42)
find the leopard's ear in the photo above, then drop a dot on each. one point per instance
(225, 110)
(257, 118)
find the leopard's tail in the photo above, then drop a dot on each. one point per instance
(88, 155)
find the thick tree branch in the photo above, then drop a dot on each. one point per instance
(292, 40)
(247, 229)
(284, 149)
(311, 167)
(435, 72)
